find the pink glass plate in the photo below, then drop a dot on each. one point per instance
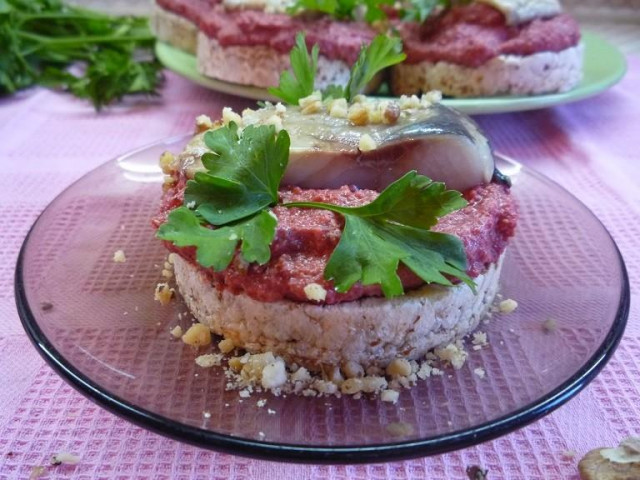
(96, 322)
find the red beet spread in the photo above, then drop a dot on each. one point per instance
(467, 35)
(474, 34)
(245, 27)
(305, 239)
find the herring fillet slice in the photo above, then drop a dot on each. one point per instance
(436, 141)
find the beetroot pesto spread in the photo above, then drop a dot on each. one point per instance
(192, 10)
(245, 27)
(305, 239)
(472, 35)
(336, 40)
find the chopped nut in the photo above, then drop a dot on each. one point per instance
(226, 345)
(325, 387)
(315, 292)
(261, 403)
(209, 360)
(274, 120)
(353, 370)
(203, 123)
(274, 374)
(119, 257)
(429, 98)
(206, 414)
(351, 386)
(198, 335)
(64, 457)
(338, 108)
(166, 162)
(480, 372)
(163, 293)
(367, 143)
(373, 384)
(479, 340)
(311, 104)
(408, 102)
(390, 396)
(313, 107)
(358, 114)
(176, 331)
(37, 472)
(508, 305)
(399, 367)
(228, 116)
(453, 354)
(236, 364)
(391, 113)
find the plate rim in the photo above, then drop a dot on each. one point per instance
(312, 454)
(168, 54)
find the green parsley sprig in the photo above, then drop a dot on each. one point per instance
(394, 228)
(243, 174)
(94, 56)
(374, 10)
(300, 83)
(382, 52)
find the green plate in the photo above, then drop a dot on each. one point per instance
(604, 66)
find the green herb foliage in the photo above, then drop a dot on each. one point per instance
(243, 174)
(372, 10)
(394, 228)
(215, 247)
(92, 55)
(419, 10)
(381, 53)
(298, 85)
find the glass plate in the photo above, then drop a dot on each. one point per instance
(96, 323)
(604, 66)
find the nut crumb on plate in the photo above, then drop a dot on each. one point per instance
(508, 305)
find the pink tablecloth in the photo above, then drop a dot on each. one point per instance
(48, 140)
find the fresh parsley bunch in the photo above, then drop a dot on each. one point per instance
(92, 55)
(240, 185)
(381, 53)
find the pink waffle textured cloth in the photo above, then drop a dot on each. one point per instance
(48, 140)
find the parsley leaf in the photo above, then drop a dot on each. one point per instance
(304, 67)
(243, 172)
(216, 247)
(344, 9)
(42, 39)
(381, 53)
(394, 228)
(338, 9)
